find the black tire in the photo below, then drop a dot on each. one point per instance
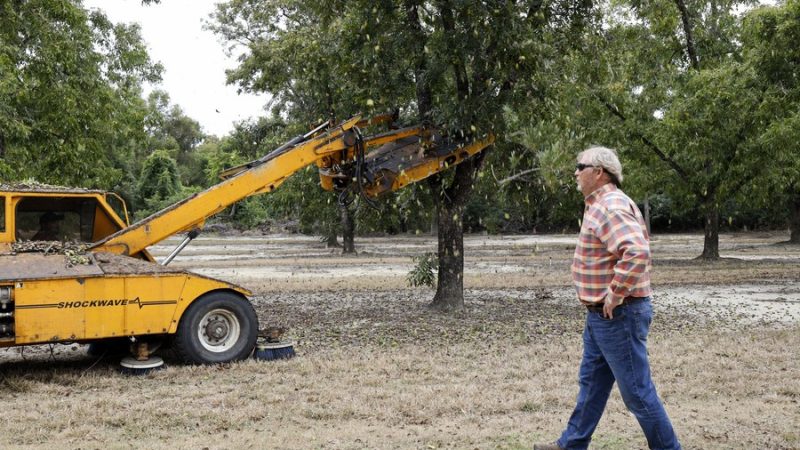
(217, 328)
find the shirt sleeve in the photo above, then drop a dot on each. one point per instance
(624, 238)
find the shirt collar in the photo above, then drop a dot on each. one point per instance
(597, 193)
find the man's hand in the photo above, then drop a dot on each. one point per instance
(608, 307)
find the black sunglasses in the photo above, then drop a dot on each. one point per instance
(580, 166)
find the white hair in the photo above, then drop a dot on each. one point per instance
(606, 158)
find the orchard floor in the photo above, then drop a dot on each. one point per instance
(376, 369)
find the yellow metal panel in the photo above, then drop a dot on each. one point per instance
(103, 225)
(393, 136)
(435, 165)
(42, 313)
(78, 309)
(12, 203)
(4, 226)
(156, 297)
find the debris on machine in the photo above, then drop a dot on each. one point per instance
(76, 252)
(35, 186)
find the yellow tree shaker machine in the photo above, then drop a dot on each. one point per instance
(114, 289)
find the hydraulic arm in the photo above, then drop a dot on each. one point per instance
(399, 157)
(264, 175)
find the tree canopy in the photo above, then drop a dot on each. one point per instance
(701, 99)
(71, 92)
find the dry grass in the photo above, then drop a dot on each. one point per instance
(500, 375)
(376, 369)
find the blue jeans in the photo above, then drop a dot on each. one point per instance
(616, 350)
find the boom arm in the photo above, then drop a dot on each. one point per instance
(405, 156)
(192, 212)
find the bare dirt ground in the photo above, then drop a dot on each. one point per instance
(376, 369)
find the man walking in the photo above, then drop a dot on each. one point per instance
(611, 272)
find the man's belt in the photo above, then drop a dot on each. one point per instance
(626, 301)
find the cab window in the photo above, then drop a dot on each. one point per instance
(55, 219)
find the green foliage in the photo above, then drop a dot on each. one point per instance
(548, 79)
(156, 203)
(523, 205)
(218, 159)
(661, 87)
(290, 55)
(159, 179)
(6, 172)
(409, 210)
(424, 272)
(70, 92)
(720, 150)
(537, 189)
(252, 139)
(301, 198)
(250, 212)
(414, 209)
(770, 36)
(168, 128)
(458, 65)
(780, 140)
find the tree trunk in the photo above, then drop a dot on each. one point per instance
(711, 231)
(348, 230)
(450, 203)
(450, 281)
(794, 224)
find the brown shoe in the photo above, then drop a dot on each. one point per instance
(552, 446)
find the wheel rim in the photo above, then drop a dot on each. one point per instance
(219, 330)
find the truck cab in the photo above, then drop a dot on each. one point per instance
(48, 296)
(41, 212)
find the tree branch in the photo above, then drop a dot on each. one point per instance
(660, 153)
(421, 82)
(687, 31)
(518, 175)
(459, 69)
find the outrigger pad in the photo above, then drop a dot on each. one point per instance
(132, 366)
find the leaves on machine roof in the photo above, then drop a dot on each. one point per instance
(33, 185)
(76, 252)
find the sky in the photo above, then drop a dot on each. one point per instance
(193, 59)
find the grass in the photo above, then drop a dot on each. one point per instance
(467, 395)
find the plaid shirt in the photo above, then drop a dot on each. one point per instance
(612, 257)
